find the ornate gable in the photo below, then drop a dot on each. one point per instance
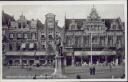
(94, 22)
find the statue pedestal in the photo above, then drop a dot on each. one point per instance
(58, 68)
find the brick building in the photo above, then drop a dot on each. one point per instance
(27, 40)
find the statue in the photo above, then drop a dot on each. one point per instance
(58, 60)
(59, 46)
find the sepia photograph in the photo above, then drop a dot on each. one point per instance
(63, 41)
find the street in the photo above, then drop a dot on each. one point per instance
(70, 72)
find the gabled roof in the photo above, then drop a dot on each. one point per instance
(6, 18)
(80, 23)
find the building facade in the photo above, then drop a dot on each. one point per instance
(93, 40)
(85, 41)
(28, 40)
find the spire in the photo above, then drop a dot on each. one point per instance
(22, 17)
(65, 15)
(93, 5)
(93, 14)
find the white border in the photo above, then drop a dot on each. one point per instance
(63, 2)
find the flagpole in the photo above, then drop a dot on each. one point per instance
(91, 48)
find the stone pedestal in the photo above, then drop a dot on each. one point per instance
(58, 68)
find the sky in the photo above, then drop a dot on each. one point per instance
(76, 11)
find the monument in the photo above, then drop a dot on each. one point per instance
(58, 60)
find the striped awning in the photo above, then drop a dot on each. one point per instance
(31, 45)
(23, 45)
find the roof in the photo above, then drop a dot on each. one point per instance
(6, 18)
(80, 22)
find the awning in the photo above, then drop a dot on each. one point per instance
(40, 53)
(23, 45)
(68, 53)
(12, 53)
(94, 53)
(31, 45)
(30, 53)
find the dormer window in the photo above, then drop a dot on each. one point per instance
(114, 27)
(73, 25)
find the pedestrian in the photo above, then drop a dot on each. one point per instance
(45, 76)
(34, 77)
(90, 69)
(110, 67)
(78, 77)
(93, 70)
(123, 76)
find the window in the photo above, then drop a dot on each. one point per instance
(34, 35)
(94, 39)
(27, 46)
(19, 36)
(18, 47)
(43, 46)
(114, 27)
(110, 40)
(19, 25)
(102, 40)
(42, 36)
(11, 35)
(50, 37)
(25, 36)
(35, 46)
(24, 62)
(24, 25)
(119, 41)
(72, 27)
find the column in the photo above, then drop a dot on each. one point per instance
(115, 39)
(73, 61)
(65, 62)
(106, 40)
(81, 60)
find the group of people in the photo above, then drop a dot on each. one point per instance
(92, 70)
